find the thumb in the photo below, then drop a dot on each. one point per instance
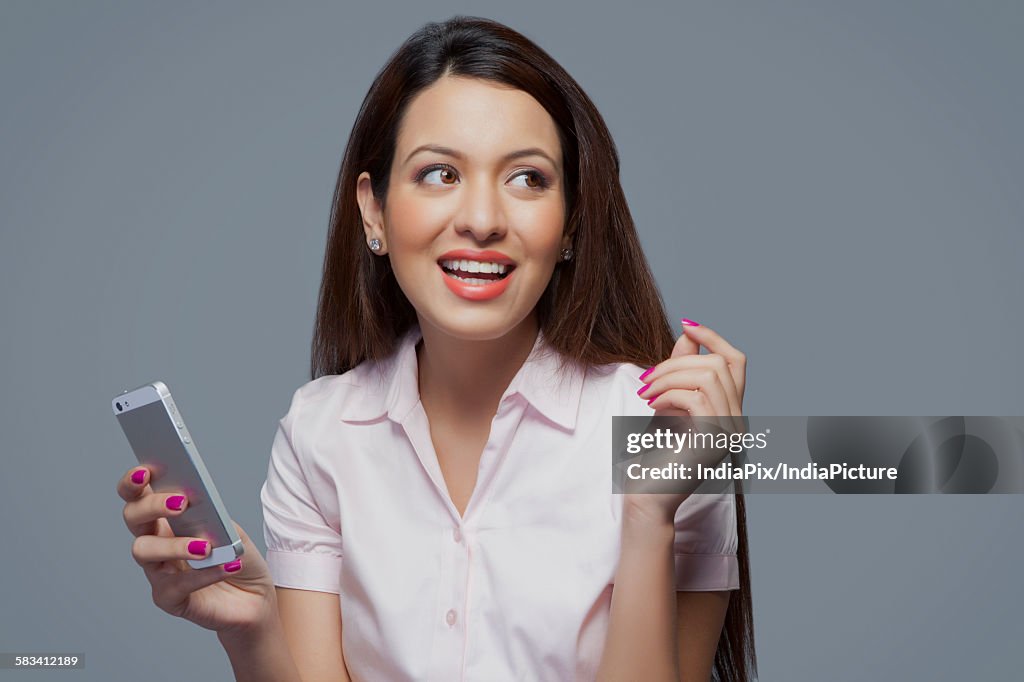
(685, 345)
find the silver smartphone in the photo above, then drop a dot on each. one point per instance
(157, 434)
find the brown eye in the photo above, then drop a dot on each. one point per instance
(533, 180)
(431, 170)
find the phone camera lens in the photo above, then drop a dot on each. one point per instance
(118, 406)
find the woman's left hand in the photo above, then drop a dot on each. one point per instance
(690, 384)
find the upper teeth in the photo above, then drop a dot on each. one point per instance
(474, 266)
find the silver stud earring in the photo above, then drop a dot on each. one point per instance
(566, 254)
(374, 245)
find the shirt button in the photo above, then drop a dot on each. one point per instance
(450, 617)
(457, 535)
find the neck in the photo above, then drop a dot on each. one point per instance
(467, 377)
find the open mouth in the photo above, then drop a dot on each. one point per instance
(475, 272)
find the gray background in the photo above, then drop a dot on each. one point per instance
(834, 187)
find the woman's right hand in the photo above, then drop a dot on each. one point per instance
(215, 598)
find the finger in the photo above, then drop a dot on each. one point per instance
(703, 379)
(714, 342)
(158, 573)
(175, 591)
(685, 346)
(704, 382)
(150, 549)
(133, 484)
(694, 403)
(712, 361)
(161, 568)
(140, 516)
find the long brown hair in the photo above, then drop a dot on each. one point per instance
(608, 307)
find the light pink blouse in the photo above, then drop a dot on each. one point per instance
(519, 588)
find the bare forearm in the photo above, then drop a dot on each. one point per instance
(641, 643)
(261, 656)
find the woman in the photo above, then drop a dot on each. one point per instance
(485, 308)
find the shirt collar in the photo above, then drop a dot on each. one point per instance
(391, 386)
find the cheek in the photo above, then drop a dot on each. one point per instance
(409, 223)
(541, 225)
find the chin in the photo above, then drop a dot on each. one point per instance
(474, 325)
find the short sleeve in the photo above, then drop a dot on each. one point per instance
(706, 543)
(303, 542)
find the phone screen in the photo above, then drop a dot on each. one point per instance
(156, 441)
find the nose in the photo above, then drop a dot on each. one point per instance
(481, 213)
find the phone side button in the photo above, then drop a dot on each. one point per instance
(175, 417)
(185, 440)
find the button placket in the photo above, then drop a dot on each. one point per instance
(459, 551)
(447, 654)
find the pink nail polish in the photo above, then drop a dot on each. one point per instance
(644, 375)
(233, 566)
(643, 388)
(139, 476)
(652, 400)
(175, 501)
(197, 547)
(689, 323)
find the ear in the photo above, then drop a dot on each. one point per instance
(371, 212)
(567, 241)
(567, 237)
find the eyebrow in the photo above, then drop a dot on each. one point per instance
(448, 151)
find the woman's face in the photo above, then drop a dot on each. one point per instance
(475, 193)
